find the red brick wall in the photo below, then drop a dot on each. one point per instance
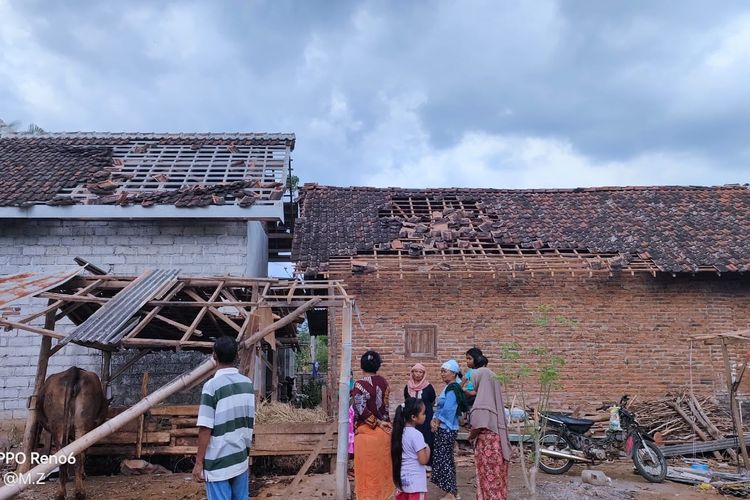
(631, 335)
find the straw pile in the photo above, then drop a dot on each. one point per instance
(271, 412)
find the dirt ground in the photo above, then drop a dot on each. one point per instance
(624, 485)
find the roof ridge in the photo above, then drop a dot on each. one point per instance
(183, 135)
(314, 186)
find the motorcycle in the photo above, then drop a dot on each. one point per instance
(564, 442)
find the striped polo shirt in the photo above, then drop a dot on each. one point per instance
(228, 409)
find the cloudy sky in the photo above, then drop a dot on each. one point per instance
(470, 93)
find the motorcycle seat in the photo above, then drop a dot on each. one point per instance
(575, 424)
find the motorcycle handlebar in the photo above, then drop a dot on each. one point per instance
(623, 402)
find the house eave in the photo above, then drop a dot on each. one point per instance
(265, 210)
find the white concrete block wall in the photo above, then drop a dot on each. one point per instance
(126, 247)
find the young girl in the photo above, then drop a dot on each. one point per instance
(409, 452)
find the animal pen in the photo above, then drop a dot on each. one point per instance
(160, 310)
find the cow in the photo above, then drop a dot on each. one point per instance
(70, 404)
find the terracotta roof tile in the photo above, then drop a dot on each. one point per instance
(681, 228)
(36, 169)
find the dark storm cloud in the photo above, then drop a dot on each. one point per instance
(506, 93)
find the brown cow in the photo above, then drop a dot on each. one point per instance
(71, 403)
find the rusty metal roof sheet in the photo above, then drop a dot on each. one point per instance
(17, 286)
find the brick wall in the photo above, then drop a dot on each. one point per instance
(126, 247)
(630, 337)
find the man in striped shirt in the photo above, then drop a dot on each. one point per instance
(225, 427)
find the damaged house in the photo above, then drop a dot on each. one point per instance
(621, 277)
(187, 204)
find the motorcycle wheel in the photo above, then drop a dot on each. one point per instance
(653, 471)
(553, 440)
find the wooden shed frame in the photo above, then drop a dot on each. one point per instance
(149, 313)
(741, 337)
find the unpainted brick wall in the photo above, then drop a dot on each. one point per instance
(125, 247)
(631, 335)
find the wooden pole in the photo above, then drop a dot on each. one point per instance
(246, 355)
(697, 410)
(141, 419)
(110, 426)
(106, 372)
(253, 350)
(31, 432)
(676, 407)
(280, 323)
(342, 451)
(733, 405)
(274, 374)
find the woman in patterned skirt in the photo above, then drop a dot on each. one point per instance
(445, 429)
(489, 432)
(372, 439)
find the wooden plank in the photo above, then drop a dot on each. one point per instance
(194, 325)
(33, 329)
(265, 319)
(129, 450)
(215, 311)
(186, 432)
(158, 437)
(311, 458)
(57, 304)
(176, 324)
(289, 428)
(165, 343)
(263, 332)
(246, 355)
(153, 312)
(176, 410)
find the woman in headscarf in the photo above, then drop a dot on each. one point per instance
(445, 427)
(489, 431)
(372, 439)
(419, 387)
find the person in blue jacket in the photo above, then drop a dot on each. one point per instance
(445, 427)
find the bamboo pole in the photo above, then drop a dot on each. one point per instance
(31, 433)
(342, 452)
(79, 445)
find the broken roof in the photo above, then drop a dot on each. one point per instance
(184, 170)
(674, 228)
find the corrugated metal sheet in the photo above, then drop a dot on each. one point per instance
(17, 286)
(111, 322)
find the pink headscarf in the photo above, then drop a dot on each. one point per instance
(414, 386)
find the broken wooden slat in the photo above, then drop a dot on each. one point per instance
(311, 458)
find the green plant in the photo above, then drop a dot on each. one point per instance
(309, 395)
(533, 372)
